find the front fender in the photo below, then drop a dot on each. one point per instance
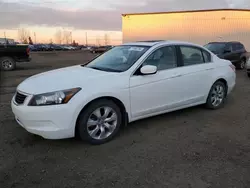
(82, 100)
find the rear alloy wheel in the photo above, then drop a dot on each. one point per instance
(7, 64)
(242, 64)
(100, 122)
(217, 95)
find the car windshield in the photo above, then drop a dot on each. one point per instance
(118, 59)
(216, 48)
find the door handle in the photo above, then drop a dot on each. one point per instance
(177, 75)
(210, 69)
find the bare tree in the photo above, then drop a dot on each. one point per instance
(66, 37)
(58, 37)
(23, 35)
(30, 41)
(106, 39)
(97, 40)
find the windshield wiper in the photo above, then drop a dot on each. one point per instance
(105, 69)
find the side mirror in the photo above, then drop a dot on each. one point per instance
(148, 69)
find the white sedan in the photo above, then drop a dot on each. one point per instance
(127, 83)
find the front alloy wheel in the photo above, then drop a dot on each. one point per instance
(102, 123)
(99, 122)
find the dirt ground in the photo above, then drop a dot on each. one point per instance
(195, 147)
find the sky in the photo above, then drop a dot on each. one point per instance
(96, 17)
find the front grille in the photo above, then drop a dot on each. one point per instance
(19, 99)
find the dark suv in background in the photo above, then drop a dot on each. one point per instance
(100, 49)
(232, 51)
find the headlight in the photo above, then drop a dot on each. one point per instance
(53, 98)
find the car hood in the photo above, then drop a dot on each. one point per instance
(60, 79)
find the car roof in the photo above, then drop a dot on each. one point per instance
(155, 42)
(225, 42)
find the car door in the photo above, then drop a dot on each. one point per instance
(197, 70)
(230, 52)
(239, 51)
(153, 94)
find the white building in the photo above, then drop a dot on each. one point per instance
(199, 26)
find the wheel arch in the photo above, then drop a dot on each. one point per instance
(118, 102)
(244, 58)
(223, 80)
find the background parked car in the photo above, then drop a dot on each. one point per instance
(56, 47)
(11, 54)
(232, 51)
(248, 67)
(99, 49)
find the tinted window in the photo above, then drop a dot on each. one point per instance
(217, 48)
(234, 46)
(163, 58)
(207, 56)
(240, 46)
(191, 55)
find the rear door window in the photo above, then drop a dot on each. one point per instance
(191, 55)
(234, 47)
(240, 46)
(228, 48)
(206, 56)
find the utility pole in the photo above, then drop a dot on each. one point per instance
(35, 36)
(71, 37)
(86, 38)
(5, 37)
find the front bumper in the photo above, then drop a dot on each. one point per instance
(248, 68)
(50, 122)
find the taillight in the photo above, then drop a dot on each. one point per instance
(232, 67)
(28, 51)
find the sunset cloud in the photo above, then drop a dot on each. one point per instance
(93, 14)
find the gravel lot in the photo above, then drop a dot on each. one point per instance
(195, 147)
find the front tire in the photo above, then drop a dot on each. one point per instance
(99, 122)
(7, 63)
(248, 74)
(217, 95)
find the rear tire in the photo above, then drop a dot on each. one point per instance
(7, 63)
(242, 64)
(217, 95)
(248, 74)
(96, 127)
